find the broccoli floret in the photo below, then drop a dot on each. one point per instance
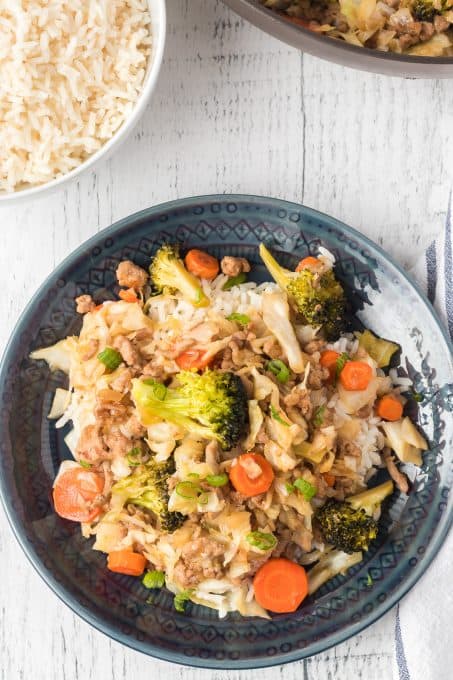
(168, 273)
(318, 297)
(212, 404)
(147, 488)
(349, 525)
(331, 564)
(423, 10)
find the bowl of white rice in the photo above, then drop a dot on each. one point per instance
(76, 76)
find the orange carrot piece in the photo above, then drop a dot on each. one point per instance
(329, 360)
(356, 375)
(193, 359)
(329, 479)
(249, 486)
(74, 493)
(126, 562)
(280, 585)
(389, 408)
(128, 295)
(202, 264)
(309, 262)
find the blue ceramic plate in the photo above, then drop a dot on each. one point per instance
(31, 449)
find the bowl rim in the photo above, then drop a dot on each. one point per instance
(150, 81)
(97, 622)
(316, 43)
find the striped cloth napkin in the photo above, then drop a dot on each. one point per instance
(423, 629)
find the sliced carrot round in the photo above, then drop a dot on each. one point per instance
(329, 360)
(280, 585)
(329, 478)
(193, 359)
(309, 262)
(128, 295)
(74, 493)
(202, 264)
(389, 408)
(356, 375)
(244, 479)
(126, 562)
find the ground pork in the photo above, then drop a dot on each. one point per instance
(317, 375)
(91, 446)
(233, 266)
(300, 399)
(123, 382)
(117, 443)
(398, 477)
(130, 354)
(200, 559)
(347, 448)
(91, 348)
(130, 275)
(314, 346)
(272, 349)
(84, 304)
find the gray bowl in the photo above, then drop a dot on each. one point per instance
(340, 52)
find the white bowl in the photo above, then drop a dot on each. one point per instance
(158, 27)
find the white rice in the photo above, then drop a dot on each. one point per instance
(70, 74)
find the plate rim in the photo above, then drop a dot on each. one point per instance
(147, 648)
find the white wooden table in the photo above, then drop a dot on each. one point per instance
(234, 111)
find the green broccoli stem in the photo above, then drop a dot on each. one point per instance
(370, 499)
(278, 273)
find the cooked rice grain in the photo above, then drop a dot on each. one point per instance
(70, 74)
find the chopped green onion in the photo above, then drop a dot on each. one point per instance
(133, 456)
(261, 541)
(217, 480)
(194, 475)
(307, 490)
(279, 369)
(289, 487)
(203, 498)
(85, 463)
(276, 416)
(418, 396)
(369, 580)
(159, 390)
(187, 490)
(340, 363)
(241, 319)
(110, 358)
(234, 281)
(154, 579)
(318, 417)
(179, 601)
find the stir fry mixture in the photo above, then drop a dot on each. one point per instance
(224, 433)
(417, 27)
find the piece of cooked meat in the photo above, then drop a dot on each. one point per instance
(84, 304)
(398, 477)
(200, 559)
(233, 266)
(131, 275)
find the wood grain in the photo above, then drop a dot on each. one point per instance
(234, 111)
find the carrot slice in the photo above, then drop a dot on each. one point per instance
(193, 359)
(128, 295)
(389, 408)
(329, 479)
(126, 562)
(74, 493)
(329, 360)
(250, 485)
(280, 585)
(309, 261)
(201, 264)
(356, 375)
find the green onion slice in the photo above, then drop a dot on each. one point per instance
(340, 363)
(234, 281)
(289, 487)
(241, 319)
(154, 579)
(307, 490)
(110, 358)
(279, 369)
(261, 541)
(134, 455)
(217, 480)
(187, 490)
(85, 464)
(179, 601)
(276, 416)
(159, 390)
(318, 417)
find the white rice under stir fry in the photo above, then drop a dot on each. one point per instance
(224, 433)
